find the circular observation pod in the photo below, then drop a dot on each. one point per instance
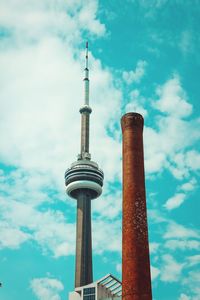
(84, 176)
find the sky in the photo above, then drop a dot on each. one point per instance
(143, 57)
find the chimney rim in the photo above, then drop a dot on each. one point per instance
(132, 120)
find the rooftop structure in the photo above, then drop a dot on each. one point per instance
(106, 288)
(84, 181)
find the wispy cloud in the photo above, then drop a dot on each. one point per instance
(188, 186)
(30, 21)
(175, 201)
(184, 297)
(182, 194)
(12, 237)
(192, 283)
(47, 288)
(102, 241)
(171, 270)
(172, 96)
(182, 245)
(154, 273)
(136, 75)
(194, 260)
(175, 230)
(136, 103)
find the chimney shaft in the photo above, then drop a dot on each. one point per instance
(136, 278)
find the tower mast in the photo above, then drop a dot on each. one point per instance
(85, 111)
(84, 181)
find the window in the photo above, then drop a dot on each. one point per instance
(89, 294)
(89, 297)
(89, 291)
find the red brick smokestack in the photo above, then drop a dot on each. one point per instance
(136, 278)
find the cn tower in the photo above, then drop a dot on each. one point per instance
(84, 181)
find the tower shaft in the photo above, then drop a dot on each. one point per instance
(136, 278)
(83, 274)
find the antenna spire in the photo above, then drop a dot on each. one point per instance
(86, 55)
(86, 79)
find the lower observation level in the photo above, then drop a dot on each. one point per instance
(84, 175)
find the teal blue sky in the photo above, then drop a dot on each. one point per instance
(144, 57)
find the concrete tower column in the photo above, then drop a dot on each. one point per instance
(83, 272)
(136, 278)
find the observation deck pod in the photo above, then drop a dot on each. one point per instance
(84, 175)
(106, 288)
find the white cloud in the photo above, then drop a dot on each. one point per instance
(166, 144)
(176, 231)
(30, 21)
(182, 244)
(186, 162)
(50, 228)
(180, 197)
(87, 18)
(119, 268)
(155, 157)
(40, 110)
(102, 241)
(173, 99)
(47, 288)
(192, 282)
(193, 159)
(18, 183)
(22, 196)
(175, 201)
(171, 269)
(154, 273)
(186, 41)
(153, 247)
(189, 186)
(136, 103)
(193, 260)
(137, 74)
(46, 80)
(11, 237)
(184, 297)
(39, 107)
(162, 146)
(109, 205)
(155, 216)
(55, 234)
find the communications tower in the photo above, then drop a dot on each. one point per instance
(84, 181)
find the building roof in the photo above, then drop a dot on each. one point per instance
(112, 284)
